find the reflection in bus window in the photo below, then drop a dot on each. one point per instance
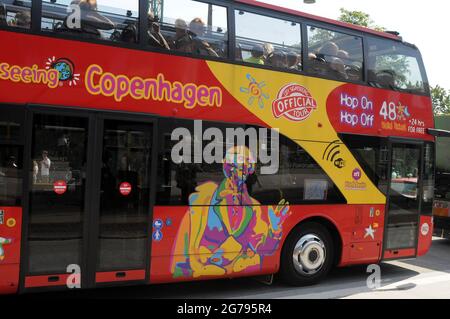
(299, 180)
(268, 41)
(405, 177)
(395, 66)
(372, 154)
(335, 55)
(176, 182)
(15, 13)
(97, 19)
(10, 175)
(57, 194)
(190, 27)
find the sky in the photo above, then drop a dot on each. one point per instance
(424, 23)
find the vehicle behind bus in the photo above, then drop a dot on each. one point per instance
(441, 207)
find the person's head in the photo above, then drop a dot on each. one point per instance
(257, 51)
(293, 59)
(129, 34)
(278, 59)
(338, 66)
(342, 54)
(329, 48)
(44, 154)
(180, 26)
(23, 19)
(197, 26)
(268, 49)
(92, 3)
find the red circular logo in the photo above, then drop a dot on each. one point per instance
(60, 187)
(294, 102)
(125, 189)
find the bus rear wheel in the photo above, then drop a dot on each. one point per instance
(307, 256)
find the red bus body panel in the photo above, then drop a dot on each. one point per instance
(10, 242)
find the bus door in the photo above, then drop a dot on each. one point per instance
(89, 200)
(123, 179)
(403, 215)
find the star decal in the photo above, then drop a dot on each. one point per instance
(370, 232)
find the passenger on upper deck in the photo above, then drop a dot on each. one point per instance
(294, 61)
(257, 55)
(91, 20)
(200, 46)
(182, 41)
(277, 59)
(22, 19)
(329, 49)
(156, 39)
(129, 34)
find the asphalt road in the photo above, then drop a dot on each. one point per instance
(426, 277)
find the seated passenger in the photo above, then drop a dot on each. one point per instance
(337, 68)
(294, 61)
(91, 20)
(268, 50)
(277, 59)
(155, 38)
(257, 55)
(342, 54)
(129, 34)
(22, 19)
(182, 41)
(329, 49)
(200, 46)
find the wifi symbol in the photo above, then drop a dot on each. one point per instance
(332, 154)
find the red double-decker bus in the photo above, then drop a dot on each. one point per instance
(96, 103)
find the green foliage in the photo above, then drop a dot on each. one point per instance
(358, 18)
(441, 100)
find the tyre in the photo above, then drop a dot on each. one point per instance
(307, 256)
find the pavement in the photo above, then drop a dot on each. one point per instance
(427, 277)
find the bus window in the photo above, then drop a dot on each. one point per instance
(299, 179)
(93, 19)
(336, 55)
(268, 41)
(189, 26)
(15, 14)
(395, 66)
(372, 154)
(177, 179)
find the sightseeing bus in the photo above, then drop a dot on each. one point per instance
(148, 142)
(441, 208)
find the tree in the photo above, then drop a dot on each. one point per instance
(441, 100)
(358, 18)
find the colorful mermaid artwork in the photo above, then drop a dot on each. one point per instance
(225, 231)
(3, 241)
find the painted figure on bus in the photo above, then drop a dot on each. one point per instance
(3, 241)
(219, 236)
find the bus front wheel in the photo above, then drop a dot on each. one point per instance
(307, 256)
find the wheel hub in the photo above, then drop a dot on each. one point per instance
(309, 255)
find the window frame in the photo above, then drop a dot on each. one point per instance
(359, 35)
(419, 58)
(279, 16)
